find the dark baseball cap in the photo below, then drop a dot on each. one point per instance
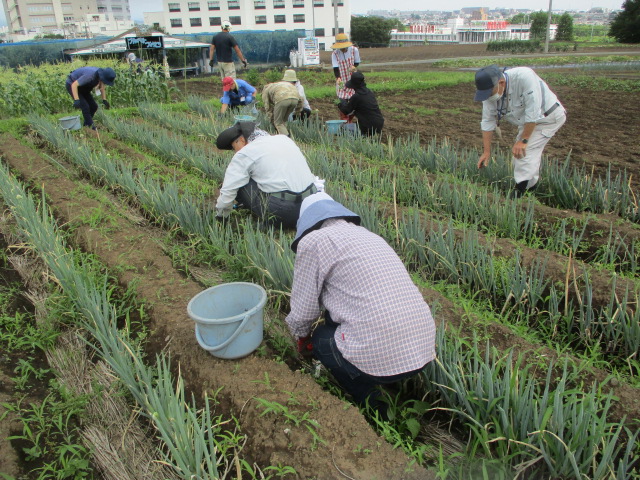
(231, 134)
(486, 79)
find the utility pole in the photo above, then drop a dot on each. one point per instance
(335, 16)
(546, 42)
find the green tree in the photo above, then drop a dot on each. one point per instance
(565, 28)
(539, 24)
(625, 27)
(519, 18)
(371, 31)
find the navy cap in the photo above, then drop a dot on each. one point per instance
(486, 79)
(107, 75)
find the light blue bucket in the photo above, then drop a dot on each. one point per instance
(334, 125)
(70, 123)
(229, 318)
(245, 118)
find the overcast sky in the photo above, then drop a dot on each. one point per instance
(363, 6)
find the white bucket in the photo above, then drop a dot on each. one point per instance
(229, 318)
(70, 123)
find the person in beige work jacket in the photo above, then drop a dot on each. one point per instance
(280, 100)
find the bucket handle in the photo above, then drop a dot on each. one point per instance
(228, 340)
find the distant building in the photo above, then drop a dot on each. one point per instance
(456, 30)
(28, 17)
(315, 17)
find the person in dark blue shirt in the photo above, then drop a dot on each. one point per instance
(80, 85)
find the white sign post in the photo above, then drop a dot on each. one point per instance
(310, 49)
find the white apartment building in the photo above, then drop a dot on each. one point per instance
(26, 17)
(318, 17)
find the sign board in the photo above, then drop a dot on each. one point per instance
(310, 49)
(134, 43)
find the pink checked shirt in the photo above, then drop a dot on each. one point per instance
(385, 326)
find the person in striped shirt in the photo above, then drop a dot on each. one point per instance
(377, 327)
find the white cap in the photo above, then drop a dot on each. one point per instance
(311, 199)
(226, 25)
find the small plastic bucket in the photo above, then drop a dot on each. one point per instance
(334, 125)
(351, 128)
(228, 318)
(70, 123)
(245, 118)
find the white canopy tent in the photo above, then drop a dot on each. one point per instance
(119, 45)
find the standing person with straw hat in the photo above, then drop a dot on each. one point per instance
(344, 59)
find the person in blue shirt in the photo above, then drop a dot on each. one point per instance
(236, 92)
(80, 85)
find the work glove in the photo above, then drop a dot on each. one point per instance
(245, 63)
(248, 99)
(77, 104)
(305, 347)
(106, 104)
(212, 63)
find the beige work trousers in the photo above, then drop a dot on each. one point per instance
(227, 69)
(281, 112)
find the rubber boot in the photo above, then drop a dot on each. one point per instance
(520, 189)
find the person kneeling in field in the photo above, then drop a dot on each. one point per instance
(363, 105)
(268, 174)
(377, 327)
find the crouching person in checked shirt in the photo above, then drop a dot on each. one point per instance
(522, 98)
(377, 327)
(268, 175)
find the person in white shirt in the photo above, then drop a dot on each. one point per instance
(268, 174)
(522, 98)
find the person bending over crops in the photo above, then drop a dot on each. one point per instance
(268, 174)
(522, 98)
(377, 327)
(281, 99)
(236, 92)
(363, 105)
(80, 85)
(291, 77)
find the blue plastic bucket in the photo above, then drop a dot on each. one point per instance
(334, 125)
(70, 123)
(245, 118)
(228, 318)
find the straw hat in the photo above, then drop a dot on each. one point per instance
(342, 41)
(290, 76)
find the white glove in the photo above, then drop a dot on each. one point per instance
(319, 183)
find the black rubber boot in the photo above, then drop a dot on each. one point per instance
(520, 189)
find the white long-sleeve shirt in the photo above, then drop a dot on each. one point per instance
(303, 96)
(274, 162)
(527, 98)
